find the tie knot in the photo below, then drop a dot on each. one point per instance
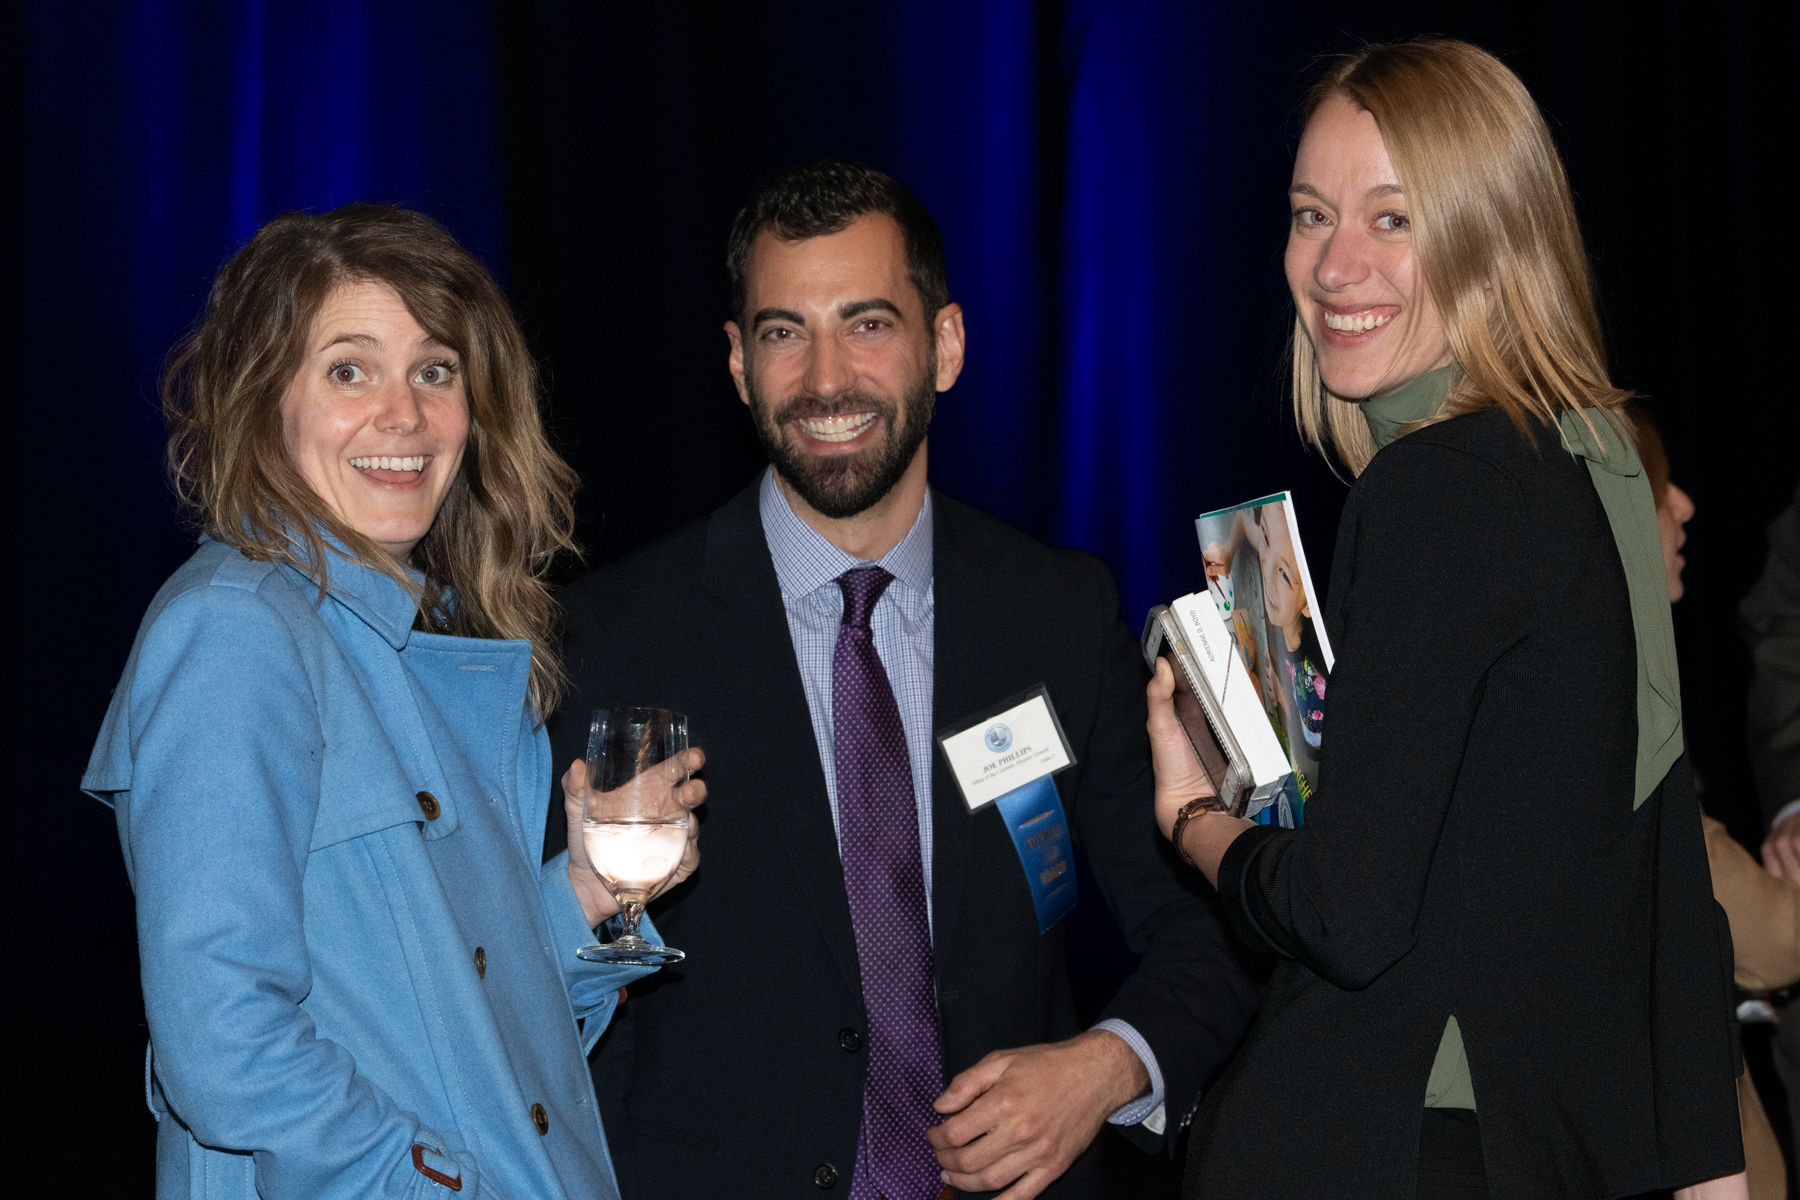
(862, 587)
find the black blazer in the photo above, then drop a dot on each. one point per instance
(1473, 851)
(740, 1071)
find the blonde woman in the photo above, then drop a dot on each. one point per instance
(327, 755)
(1502, 972)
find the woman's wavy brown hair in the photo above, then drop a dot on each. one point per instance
(507, 513)
(1491, 214)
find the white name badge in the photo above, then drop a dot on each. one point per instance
(1014, 744)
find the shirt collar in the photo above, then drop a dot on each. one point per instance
(375, 597)
(806, 562)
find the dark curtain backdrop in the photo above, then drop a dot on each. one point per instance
(1109, 178)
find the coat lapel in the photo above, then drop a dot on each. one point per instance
(963, 633)
(753, 653)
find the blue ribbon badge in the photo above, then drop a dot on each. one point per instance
(1040, 833)
(1007, 757)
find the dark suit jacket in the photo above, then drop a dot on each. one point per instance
(1473, 850)
(740, 1071)
(1770, 618)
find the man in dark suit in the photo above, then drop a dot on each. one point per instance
(856, 936)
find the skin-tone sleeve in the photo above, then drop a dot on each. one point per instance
(1764, 911)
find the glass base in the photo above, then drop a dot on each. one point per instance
(631, 951)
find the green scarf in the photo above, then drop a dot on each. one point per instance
(1624, 491)
(1419, 400)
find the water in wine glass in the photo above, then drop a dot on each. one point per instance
(635, 823)
(633, 858)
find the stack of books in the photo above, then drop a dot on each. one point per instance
(1251, 661)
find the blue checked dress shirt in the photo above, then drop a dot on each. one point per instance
(807, 567)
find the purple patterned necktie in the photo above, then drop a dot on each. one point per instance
(878, 838)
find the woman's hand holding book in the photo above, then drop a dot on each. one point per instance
(1180, 781)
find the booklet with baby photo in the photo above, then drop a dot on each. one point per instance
(1256, 573)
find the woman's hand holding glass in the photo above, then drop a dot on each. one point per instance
(597, 901)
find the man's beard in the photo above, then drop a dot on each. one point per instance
(843, 485)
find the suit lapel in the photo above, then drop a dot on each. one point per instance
(753, 654)
(958, 690)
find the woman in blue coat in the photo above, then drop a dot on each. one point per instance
(327, 756)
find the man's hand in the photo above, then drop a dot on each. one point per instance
(1022, 1116)
(1781, 849)
(597, 904)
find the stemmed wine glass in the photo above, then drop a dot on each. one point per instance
(634, 825)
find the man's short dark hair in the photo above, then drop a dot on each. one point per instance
(826, 197)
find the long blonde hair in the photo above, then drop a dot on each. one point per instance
(1492, 214)
(508, 512)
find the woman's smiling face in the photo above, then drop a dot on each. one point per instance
(1350, 260)
(377, 416)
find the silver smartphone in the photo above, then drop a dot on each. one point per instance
(1199, 717)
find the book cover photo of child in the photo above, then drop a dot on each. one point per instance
(1257, 575)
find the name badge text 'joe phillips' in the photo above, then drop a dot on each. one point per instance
(1005, 757)
(1006, 751)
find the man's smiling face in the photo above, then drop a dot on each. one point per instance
(838, 362)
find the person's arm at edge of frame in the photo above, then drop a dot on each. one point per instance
(1763, 909)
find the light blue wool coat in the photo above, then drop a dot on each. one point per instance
(308, 937)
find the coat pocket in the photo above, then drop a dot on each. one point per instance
(363, 790)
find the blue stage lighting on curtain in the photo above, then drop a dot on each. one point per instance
(248, 104)
(1133, 316)
(1114, 331)
(162, 135)
(1061, 152)
(966, 143)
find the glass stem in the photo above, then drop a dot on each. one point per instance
(631, 910)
